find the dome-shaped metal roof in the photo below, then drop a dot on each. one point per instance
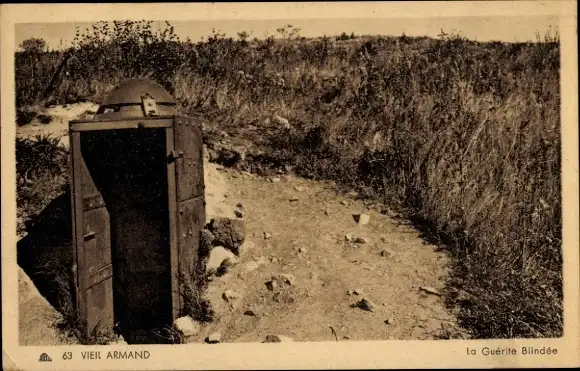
(136, 98)
(131, 92)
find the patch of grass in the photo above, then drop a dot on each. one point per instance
(462, 136)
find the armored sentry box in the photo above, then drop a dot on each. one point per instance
(138, 209)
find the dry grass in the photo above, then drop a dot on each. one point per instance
(462, 136)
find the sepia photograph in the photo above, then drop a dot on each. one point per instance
(288, 179)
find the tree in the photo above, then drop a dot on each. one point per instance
(33, 45)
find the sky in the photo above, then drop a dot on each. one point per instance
(480, 28)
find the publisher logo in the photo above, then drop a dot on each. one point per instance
(44, 358)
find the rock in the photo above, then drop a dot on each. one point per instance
(361, 240)
(225, 266)
(206, 242)
(430, 290)
(214, 338)
(348, 237)
(298, 188)
(293, 199)
(275, 179)
(217, 257)
(230, 295)
(250, 313)
(349, 292)
(187, 326)
(228, 233)
(274, 259)
(285, 278)
(277, 339)
(344, 202)
(358, 291)
(272, 285)
(226, 154)
(267, 235)
(361, 219)
(386, 253)
(283, 297)
(389, 321)
(239, 211)
(346, 337)
(366, 304)
(302, 250)
(383, 240)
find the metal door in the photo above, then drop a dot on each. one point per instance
(187, 205)
(92, 265)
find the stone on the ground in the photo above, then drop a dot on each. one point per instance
(344, 202)
(272, 285)
(386, 253)
(285, 278)
(293, 199)
(274, 259)
(214, 338)
(298, 188)
(361, 219)
(366, 304)
(267, 235)
(349, 292)
(217, 256)
(283, 297)
(250, 312)
(348, 237)
(225, 266)
(358, 291)
(389, 321)
(277, 339)
(430, 290)
(275, 179)
(187, 326)
(255, 264)
(228, 233)
(239, 211)
(302, 249)
(230, 295)
(361, 240)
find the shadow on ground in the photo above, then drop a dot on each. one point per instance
(46, 254)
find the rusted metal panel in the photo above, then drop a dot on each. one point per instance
(191, 219)
(98, 301)
(176, 294)
(189, 162)
(92, 247)
(120, 124)
(96, 250)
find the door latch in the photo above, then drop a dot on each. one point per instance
(174, 155)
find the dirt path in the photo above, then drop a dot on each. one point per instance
(307, 240)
